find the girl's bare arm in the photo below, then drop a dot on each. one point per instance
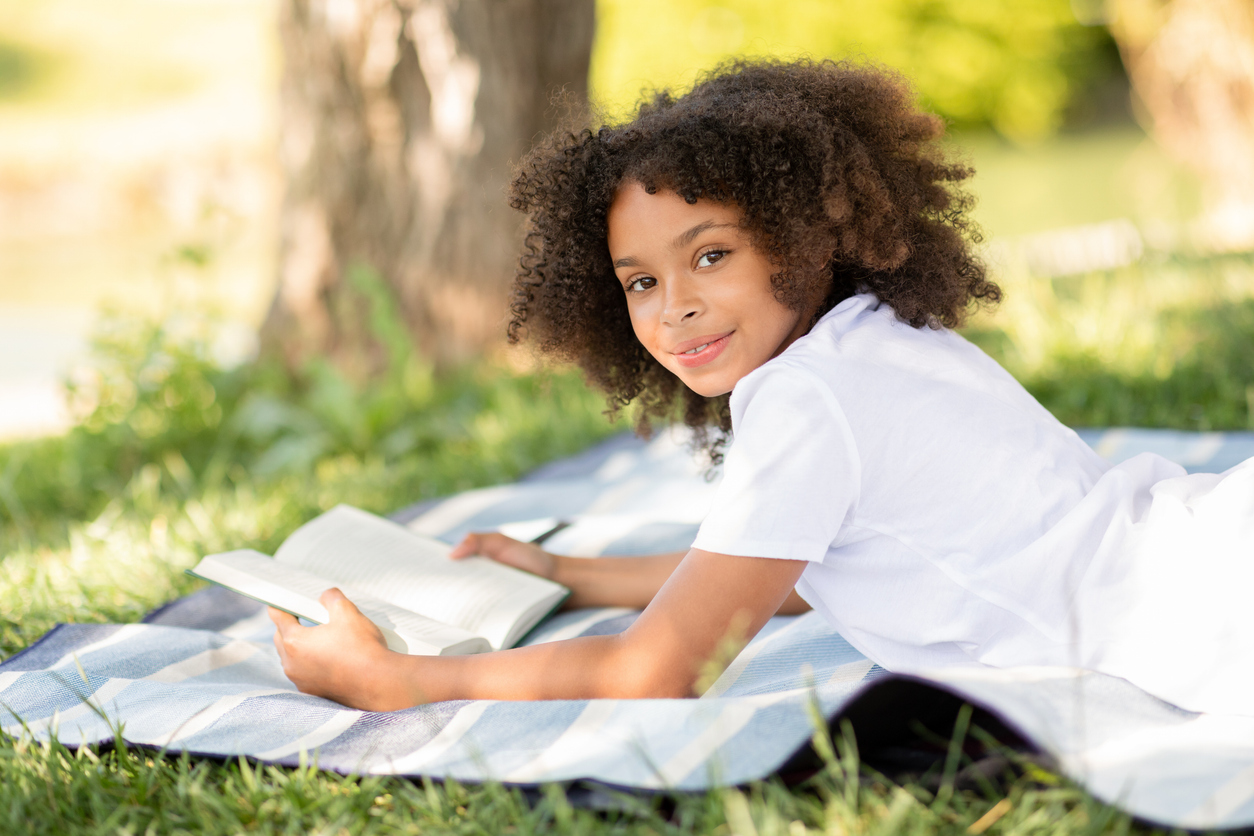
(593, 581)
(707, 599)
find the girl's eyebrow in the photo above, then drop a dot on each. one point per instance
(682, 240)
(686, 238)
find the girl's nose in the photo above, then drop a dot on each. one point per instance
(682, 302)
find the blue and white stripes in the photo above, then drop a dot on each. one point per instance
(201, 675)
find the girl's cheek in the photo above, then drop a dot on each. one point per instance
(645, 336)
(640, 322)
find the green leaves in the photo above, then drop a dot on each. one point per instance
(1017, 67)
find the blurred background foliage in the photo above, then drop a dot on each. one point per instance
(1024, 68)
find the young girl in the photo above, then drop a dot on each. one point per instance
(782, 252)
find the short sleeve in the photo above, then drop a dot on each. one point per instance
(792, 473)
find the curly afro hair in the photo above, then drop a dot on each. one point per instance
(839, 182)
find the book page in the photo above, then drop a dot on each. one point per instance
(296, 591)
(409, 570)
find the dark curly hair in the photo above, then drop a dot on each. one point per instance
(840, 184)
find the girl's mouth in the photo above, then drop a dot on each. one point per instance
(703, 352)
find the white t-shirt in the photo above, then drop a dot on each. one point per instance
(949, 519)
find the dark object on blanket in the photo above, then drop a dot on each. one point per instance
(903, 729)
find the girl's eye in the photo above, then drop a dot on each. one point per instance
(710, 258)
(642, 283)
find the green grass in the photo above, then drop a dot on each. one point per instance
(174, 458)
(1074, 178)
(1165, 343)
(48, 789)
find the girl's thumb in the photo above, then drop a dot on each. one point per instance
(333, 599)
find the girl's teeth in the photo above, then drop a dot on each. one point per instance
(698, 348)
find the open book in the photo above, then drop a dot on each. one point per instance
(424, 603)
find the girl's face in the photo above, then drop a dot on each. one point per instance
(698, 292)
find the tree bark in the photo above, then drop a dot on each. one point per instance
(400, 120)
(1191, 63)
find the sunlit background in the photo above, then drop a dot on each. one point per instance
(138, 166)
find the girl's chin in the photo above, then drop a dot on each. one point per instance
(709, 385)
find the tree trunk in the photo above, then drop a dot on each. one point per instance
(400, 120)
(1191, 63)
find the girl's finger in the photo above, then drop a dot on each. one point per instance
(493, 543)
(487, 544)
(334, 600)
(282, 620)
(338, 605)
(468, 546)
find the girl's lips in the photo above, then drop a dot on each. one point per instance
(708, 351)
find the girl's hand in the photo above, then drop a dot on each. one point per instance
(526, 556)
(346, 659)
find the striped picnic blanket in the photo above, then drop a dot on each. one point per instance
(200, 675)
